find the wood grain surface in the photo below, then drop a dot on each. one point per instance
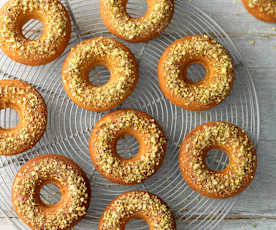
(257, 42)
(257, 207)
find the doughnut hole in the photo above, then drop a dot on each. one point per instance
(136, 223)
(127, 146)
(195, 72)
(134, 10)
(9, 118)
(32, 29)
(99, 75)
(216, 160)
(50, 194)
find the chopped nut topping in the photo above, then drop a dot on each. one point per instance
(56, 21)
(107, 134)
(138, 28)
(251, 42)
(125, 206)
(122, 65)
(243, 158)
(24, 98)
(184, 51)
(32, 177)
(264, 6)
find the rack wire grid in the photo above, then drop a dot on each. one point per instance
(69, 126)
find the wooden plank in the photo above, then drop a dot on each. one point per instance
(234, 18)
(248, 224)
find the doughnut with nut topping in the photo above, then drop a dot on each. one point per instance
(53, 40)
(190, 95)
(137, 204)
(51, 169)
(32, 111)
(150, 25)
(117, 124)
(264, 10)
(99, 51)
(228, 138)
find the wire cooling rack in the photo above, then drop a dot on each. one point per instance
(69, 126)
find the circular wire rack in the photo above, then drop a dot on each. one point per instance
(69, 126)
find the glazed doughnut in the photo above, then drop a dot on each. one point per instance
(32, 111)
(202, 95)
(99, 51)
(228, 138)
(137, 204)
(50, 45)
(117, 124)
(51, 169)
(147, 27)
(264, 10)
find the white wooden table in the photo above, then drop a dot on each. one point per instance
(257, 207)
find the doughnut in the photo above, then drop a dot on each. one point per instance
(51, 169)
(264, 10)
(99, 51)
(137, 204)
(53, 40)
(117, 124)
(142, 29)
(32, 111)
(190, 95)
(222, 183)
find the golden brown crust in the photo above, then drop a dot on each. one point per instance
(99, 51)
(51, 169)
(137, 204)
(235, 143)
(142, 29)
(113, 126)
(209, 92)
(32, 111)
(51, 44)
(264, 10)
